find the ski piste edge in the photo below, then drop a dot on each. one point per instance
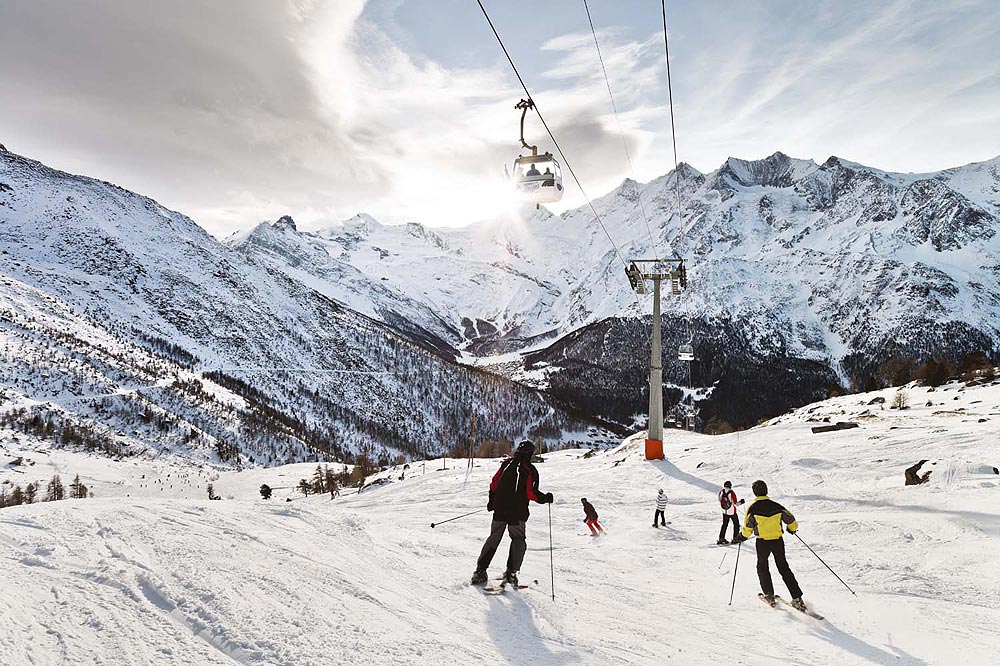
(777, 598)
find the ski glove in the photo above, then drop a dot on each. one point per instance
(545, 498)
(742, 501)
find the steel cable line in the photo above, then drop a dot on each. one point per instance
(621, 132)
(555, 143)
(673, 130)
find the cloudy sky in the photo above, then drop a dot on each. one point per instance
(237, 111)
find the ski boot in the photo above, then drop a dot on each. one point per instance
(510, 578)
(721, 542)
(799, 605)
(769, 598)
(479, 578)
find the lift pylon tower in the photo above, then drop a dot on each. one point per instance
(639, 272)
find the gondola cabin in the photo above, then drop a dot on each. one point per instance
(685, 353)
(538, 178)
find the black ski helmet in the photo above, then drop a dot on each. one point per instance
(727, 484)
(526, 447)
(759, 488)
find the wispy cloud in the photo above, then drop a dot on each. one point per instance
(324, 109)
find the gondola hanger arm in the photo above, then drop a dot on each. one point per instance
(524, 105)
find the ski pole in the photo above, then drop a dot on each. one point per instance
(552, 566)
(825, 564)
(739, 547)
(723, 560)
(457, 517)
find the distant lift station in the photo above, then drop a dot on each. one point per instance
(639, 272)
(538, 178)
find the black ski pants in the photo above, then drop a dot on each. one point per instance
(517, 545)
(775, 547)
(725, 523)
(658, 516)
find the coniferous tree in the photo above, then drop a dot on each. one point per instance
(30, 492)
(55, 490)
(319, 481)
(305, 487)
(332, 485)
(16, 496)
(265, 491)
(934, 372)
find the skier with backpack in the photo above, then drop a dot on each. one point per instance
(661, 506)
(513, 485)
(728, 502)
(590, 518)
(764, 520)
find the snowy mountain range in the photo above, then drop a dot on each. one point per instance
(801, 274)
(125, 327)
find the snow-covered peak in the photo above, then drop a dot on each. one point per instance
(778, 170)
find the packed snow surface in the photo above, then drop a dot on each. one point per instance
(150, 571)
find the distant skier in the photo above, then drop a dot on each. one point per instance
(591, 518)
(661, 506)
(728, 502)
(512, 486)
(764, 520)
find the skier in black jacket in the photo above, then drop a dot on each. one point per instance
(514, 484)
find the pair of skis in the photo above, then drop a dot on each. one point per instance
(777, 598)
(499, 586)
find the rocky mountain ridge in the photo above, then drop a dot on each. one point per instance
(815, 273)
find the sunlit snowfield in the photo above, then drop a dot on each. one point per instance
(165, 576)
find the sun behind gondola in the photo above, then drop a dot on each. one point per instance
(538, 178)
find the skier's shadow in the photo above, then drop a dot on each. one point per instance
(865, 650)
(512, 627)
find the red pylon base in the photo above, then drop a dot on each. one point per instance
(654, 449)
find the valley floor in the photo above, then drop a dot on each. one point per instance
(171, 578)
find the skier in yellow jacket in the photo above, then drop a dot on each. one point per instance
(764, 519)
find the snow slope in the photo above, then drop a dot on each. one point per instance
(815, 272)
(102, 289)
(364, 580)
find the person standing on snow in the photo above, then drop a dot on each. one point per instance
(513, 485)
(728, 502)
(764, 520)
(661, 506)
(591, 518)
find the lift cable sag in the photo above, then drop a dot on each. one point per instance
(621, 132)
(555, 143)
(673, 130)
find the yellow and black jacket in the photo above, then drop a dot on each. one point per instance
(764, 518)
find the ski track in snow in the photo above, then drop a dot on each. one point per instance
(365, 580)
